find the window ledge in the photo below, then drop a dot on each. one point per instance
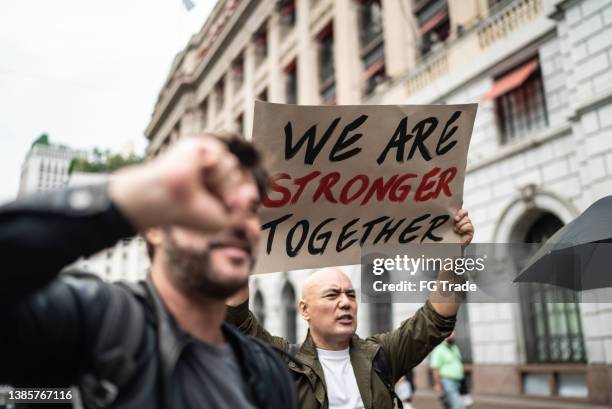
(523, 144)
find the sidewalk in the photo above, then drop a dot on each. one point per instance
(426, 400)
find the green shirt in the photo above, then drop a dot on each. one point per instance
(447, 359)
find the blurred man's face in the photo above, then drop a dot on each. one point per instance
(331, 306)
(216, 265)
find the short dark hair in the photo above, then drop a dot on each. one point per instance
(249, 158)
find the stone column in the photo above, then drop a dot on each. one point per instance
(401, 36)
(308, 88)
(347, 62)
(249, 88)
(275, 80)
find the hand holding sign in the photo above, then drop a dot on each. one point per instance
(346, 176)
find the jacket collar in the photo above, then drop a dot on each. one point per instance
(362, 355)
(172, 339)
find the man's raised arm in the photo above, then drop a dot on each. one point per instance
(416, 337)
(41, 234)
(238, 314)
(439, 299)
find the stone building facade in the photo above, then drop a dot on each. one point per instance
(541, 150)
(46, 166)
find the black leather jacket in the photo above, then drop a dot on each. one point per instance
(116, 342)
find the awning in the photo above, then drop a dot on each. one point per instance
(512, 80)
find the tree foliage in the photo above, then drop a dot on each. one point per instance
(103, 161)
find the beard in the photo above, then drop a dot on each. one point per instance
(194, 274)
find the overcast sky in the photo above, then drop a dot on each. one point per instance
(87, 72)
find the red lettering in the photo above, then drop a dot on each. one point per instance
(275, 187)
(445, 178)
(325, 185)
(421, 194)
(397, 188)
(301, 183)
(380, 188)
(365, 181)
(404, 189)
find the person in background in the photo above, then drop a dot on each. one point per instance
(448, 372)
(405, 389)
(338, 369)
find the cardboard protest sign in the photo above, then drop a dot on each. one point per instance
(345, 176)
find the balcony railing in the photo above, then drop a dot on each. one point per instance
(510, 18)
(431, 69)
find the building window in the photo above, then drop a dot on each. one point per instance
(291, 83)
(219, 95)
(259, 308)
(238, 72)
(263, 95)
(553, 330)
(261, 44)
(462, 334)
(433, 21)
(327, 80)
(286, 10)
(519, 101)
(289, 312)
(240, 125)
(372, 44)
(203, 114)
(381, 317)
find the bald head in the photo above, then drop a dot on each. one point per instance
(322, 279)
(329, 304)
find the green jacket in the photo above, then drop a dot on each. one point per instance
(404, 347)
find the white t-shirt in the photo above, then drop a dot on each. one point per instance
(342, 389)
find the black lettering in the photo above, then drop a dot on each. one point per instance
(421, 135)
(341, 143)
(397, 141)
(388, 229)
(434, 224)
(368, 228)
(312, 149)
(292, 252)
(411, 228)
(343, 236)
(272, 226)
(441, 150)
(315, 236)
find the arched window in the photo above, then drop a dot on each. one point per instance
(462, 334)
(381, 314)
(259, 308)
(289, 312)
(380, 310)
(553, 330)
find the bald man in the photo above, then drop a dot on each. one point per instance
(335, 368)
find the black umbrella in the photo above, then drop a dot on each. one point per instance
(579, 255)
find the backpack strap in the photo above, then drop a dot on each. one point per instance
(267, 375)
(117, 344)
(381, 366)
